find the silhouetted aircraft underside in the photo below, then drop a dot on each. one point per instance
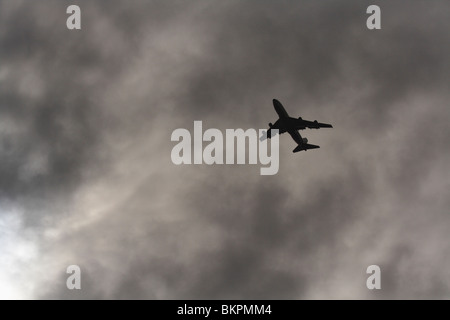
(285, 123)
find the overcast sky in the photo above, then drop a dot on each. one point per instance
(86, 176)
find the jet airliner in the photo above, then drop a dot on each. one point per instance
(285, 123)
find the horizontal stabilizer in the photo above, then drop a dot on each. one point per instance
(305, 146)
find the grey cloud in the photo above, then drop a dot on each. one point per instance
(86, 152)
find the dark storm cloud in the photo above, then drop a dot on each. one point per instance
(267, 44)
(91, 115)
(261, 226)
(61, 122)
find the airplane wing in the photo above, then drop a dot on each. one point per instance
(302, 124)
(296, 136)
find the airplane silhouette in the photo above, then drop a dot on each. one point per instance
(285, 123)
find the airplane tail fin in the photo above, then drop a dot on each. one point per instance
(305, 146)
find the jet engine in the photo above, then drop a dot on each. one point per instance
(316, 124)
(305, 140)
